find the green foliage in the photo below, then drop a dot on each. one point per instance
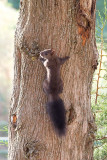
(3, 143)
(100, 153)
(14, 3)
(101, 23)
(100, 109)
(101, 16)
(4, 129)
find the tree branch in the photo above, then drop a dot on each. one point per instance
(100, 138)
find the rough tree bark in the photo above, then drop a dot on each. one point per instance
(67, 26)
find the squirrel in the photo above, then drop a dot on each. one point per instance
(53, 86)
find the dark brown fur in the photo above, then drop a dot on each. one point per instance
(52, 87)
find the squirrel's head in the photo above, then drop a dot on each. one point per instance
(46, 54)
(49, 59)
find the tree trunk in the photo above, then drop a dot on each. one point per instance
(67, 26)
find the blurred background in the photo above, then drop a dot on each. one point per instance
(9, 10)
(8, 19)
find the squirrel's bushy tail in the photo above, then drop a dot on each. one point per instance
(56, 111)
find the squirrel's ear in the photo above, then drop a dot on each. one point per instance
(52, 52)
(62, 60)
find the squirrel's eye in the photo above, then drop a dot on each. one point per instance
(46, 53)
